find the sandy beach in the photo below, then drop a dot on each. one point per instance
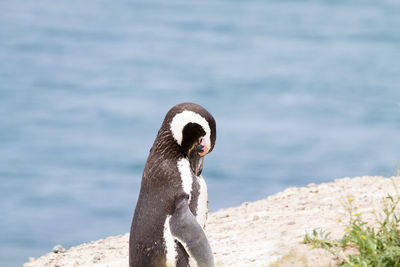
(261, 233)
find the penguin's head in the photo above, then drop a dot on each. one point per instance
(193, 128)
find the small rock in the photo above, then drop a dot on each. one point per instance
(291, 223)
(96, 257)
(223, 216)
(58, 249)
(256, 218)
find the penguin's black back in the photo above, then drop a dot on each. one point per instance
(155, 202)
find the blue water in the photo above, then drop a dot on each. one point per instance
(302, 92)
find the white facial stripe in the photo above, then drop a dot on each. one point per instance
(169, 243)
(181, 119)
(186, 176)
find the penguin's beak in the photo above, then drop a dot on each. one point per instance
(203, 145)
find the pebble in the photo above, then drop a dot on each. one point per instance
(97, 257)
(223, 216)
(58, 249)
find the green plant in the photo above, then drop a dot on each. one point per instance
(377, 245)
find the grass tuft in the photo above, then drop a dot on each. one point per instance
(377, 245)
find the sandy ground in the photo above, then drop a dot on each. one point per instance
(261, 233)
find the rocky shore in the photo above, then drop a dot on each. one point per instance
(262, 233)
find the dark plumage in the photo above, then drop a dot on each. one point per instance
(162, 195)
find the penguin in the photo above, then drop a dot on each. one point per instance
(168, 223)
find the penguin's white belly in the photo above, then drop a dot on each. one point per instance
(201, 211)
(187, 180)
(202, 207)
(170, 245)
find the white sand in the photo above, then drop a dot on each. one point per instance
(258, 233)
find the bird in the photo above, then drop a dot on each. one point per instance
(169, 220)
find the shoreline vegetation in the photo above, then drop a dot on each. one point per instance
(269, 232)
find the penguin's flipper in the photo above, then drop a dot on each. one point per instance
(185, 228)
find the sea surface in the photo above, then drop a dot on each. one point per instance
(302, 92)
